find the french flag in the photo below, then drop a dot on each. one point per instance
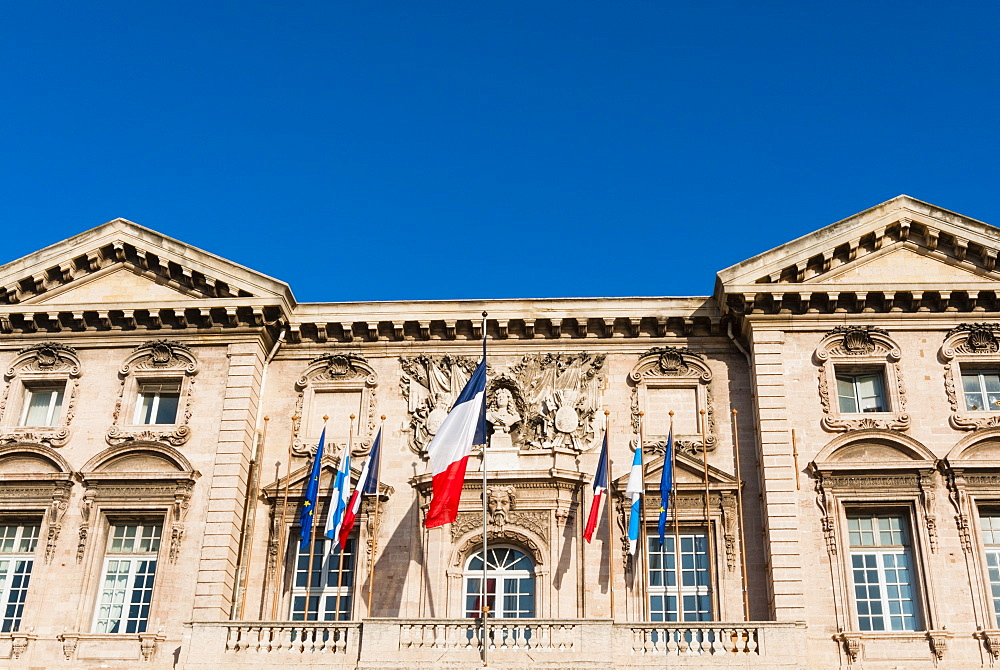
(367, 485)
(634, 490)
(600, 489)
(449, 451)
(338, 495)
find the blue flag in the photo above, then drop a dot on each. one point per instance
(306, 520)
(666, 483)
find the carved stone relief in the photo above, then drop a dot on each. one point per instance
(535, 521)
(975, 345)
(154, 360)
(46, 364)
(336, 372)
(864, 347)
(430, 385)
(500, 500)
(679, 368)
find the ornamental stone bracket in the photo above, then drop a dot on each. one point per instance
(48, 364)
(853, 348)
(673, 368)
(156, 360)
(332, 373)
(938, 642)
(976, 345)
(851, 644)
(990, 639)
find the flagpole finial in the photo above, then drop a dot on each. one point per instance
(485, 314)
(326, 418)
(699, 411)
(735, 412)
(383, 417)
(671, 412)
(607, 412)
(352, 417)
(267, 418)
(644, 414)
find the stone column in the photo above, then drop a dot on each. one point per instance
(220, 545)
(777, 477)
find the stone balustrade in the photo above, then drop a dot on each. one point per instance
(384, 644)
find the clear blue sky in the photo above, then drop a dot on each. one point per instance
(423, 150)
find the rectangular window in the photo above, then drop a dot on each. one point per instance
(157, 403)
(127, 582)
(330, 589)
(861, 392)
(17, 550)
(989, 522)
(42, 405)
(883, 572)
(982, 390)
(695, 582)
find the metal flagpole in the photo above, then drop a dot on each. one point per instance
(644, 547)
(483, 603)
(679, 577)
(708, 522)
(340, 550)
(371, 563)
(312, 543)
(739, 518)
(282, 534)
(611, 533)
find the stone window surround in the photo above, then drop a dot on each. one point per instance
(970, 346)
(850, 348)
(49, 364)
(332, 373)
(909, 484)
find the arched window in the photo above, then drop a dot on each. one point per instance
(510, 584)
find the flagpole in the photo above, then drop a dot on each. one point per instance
(708, 521)
(645, 530)
(679, 577)
(739, 517)
(312, 542)
(282, 532)
(340, 551)
(483, 602)
(371, 563)
(611, 534)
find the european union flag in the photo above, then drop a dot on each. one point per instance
(312, 493)
(666, 483)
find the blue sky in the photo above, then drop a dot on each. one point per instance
(425, 150)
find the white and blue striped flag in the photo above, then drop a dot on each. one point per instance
(634, 490)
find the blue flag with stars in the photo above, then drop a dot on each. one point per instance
(666, 483)
(306, 520)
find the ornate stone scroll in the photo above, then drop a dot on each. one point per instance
(674, 368)
(974, 345)
(861, 347)
(430, 385)
(50, 364)
(157, 360)
(331, 373)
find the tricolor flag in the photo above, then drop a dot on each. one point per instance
(312, 493)
(367, 485)
(449, 451)
(339, 493)
(634, 489)
(600, 488)
(666, 483)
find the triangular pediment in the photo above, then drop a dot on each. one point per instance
(123, 262)
(689, 472)
(902, 243)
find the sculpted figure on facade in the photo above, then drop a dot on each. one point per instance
(499, 502)
(430, 385)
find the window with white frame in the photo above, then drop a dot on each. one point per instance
(982, 390)
(327, 593)
(883, 571)
(127, 577)
(510, 584)
(157, 403)
(42, 404)
(695, 584)
(989, 523)
(861, 391)
(17, 552)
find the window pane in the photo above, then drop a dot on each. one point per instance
(129, 574)
(167, 409)
(510, 584)
(884, 589)
(327, 593)
(846, 395)
(44, 406)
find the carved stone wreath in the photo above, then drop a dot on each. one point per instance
(864, 346)
(154, 360)
(337, 372)
(45, 363)
(674, 367)
(972, 344)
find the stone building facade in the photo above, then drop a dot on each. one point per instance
(840, 394)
